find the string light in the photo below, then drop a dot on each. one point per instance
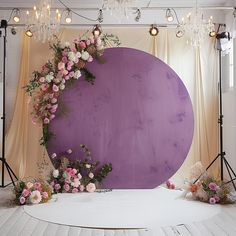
(16, 16)
(97, 31)
(68, 18)
(169, 15)
(153, 30)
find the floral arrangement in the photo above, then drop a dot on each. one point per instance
(79, 175)
(68, 65)
(206, 188)
(32, 192)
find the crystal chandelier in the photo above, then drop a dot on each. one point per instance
(43, 22)
(196, 27)
(118, 8)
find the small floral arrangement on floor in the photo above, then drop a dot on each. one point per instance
(206, 188)
(32, 192)
(79, 175)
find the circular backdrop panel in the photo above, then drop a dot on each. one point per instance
(138, 116)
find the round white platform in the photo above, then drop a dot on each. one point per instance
(123, 209)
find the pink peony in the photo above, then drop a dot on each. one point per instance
(66, 187)
(25, 192)
(81, 188)
(75, 190)
(22, 200)
(44, 194)
(35, 197)
(212, 200)
(82, 44)
(55, 88)
(61, 66)
(91, 187)
(213, 186)
(46, 121)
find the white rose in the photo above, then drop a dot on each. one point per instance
(85, 55)
(62, 86)
(87, 166)
(71, 56)
(55, 173)
(79, 176)
(67, 44)
(77, 74)
(49, 78)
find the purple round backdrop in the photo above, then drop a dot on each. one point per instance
(138, 116)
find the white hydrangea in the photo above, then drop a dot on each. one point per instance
(77, 74)
(49, 78)
(55, 173)
(85, 55)
(72, 56)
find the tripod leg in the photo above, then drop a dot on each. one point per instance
(230, 167)
(212, 162)
(11, 171)
(227, 167)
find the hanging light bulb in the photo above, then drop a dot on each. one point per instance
(169, 15)
(97, 31)
(68, 18)
(16, 16)
(153, 30)
(179, 32)
(29, 33)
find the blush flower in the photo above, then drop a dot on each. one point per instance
(66, 187)
(213, 186)
(57, 187)
(91, 175)
(22, 200)
(29, 185)
(35, 197)
(90, 187)
(25, 192)
(55, 88)
(81, 188)
(75, 190)
(212, 200)
(37, 185)
(44, 194)
(61, 66)
(46, 121)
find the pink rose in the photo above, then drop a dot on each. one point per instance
(37, 185)
(44, 194)
(212, 200)
(49, 106)
(42, 80)
(172, 186)
(69, 68)
(217, 198)
(70, 63)
(90, 59)
(44, 87)
(213, 186)
(76, 183)
(91, 175)
(88, 42)
(72, 173)
(67, 181)
(57, 186)
(55, 106)
(67, 77)
(65, 72)
(61, 66)
(52, 117)
(25, 193)
(65, 52)
(53, 100)
(46, 121)
(90, 187)
(22, 200)
(81, 188)
(53, 110)
(82, 44)
(75, 190)
(55, 88)
(52, 183)
(64, 59)
(66, 187)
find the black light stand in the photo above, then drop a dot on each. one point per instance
(3, 118)
(222, 154)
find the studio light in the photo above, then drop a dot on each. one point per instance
(212, 33)
(16, 15)
(97, 31)
(29, 33)
(169, 15)
(68, 18)
(153, 31)
(179, 32)
(138, 16)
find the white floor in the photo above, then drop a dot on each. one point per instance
(19, 221)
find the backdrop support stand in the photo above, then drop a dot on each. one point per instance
(3, 118)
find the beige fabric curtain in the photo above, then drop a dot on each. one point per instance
(197, 67)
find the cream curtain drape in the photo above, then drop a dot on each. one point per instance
(197, 67)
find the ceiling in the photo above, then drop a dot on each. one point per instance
(136, 3)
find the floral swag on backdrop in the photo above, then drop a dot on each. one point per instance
(66, 67)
